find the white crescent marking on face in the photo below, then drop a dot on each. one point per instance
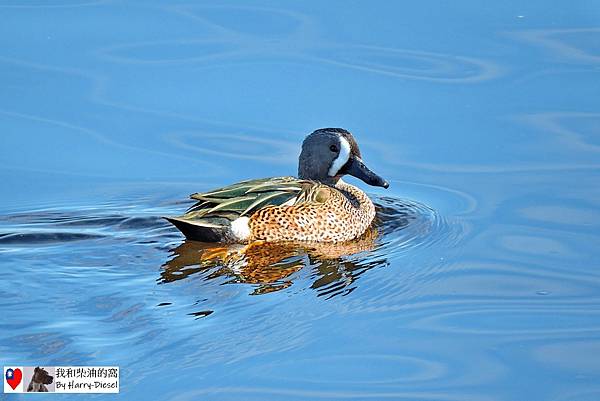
(342, 158)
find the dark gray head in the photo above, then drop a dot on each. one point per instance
(329, 153)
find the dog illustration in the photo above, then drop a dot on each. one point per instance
(39, 380)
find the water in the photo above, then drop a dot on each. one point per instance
(481, 281)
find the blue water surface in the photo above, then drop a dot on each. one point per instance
(482, 284)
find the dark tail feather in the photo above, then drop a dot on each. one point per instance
(198, 232)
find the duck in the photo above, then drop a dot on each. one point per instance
(316, 206)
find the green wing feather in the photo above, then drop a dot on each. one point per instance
(244, 198)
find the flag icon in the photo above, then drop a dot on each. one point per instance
(13, 380)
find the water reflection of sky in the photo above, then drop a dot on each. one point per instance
(112, 113)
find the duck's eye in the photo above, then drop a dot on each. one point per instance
(333, 148)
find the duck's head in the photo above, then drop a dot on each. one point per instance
(330, 153)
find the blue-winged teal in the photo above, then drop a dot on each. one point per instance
(316, 206)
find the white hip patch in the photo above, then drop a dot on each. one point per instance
(240, 228)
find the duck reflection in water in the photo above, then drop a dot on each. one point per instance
(271, 265)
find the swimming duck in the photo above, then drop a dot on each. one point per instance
(316, 206)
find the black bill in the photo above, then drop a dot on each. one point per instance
(358, 169)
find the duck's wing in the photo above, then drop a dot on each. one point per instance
(244, 198)
(212, 215)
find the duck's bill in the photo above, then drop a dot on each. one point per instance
(357, 168)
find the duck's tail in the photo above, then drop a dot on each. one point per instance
(200, 230)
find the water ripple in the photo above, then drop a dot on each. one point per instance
(410, 64)
(229, 43)
(53, 4)
(578, 44)
(48, 227)
(261, 393)
(503, 320)
(41, 238)
(239, 146)
(401, 227)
